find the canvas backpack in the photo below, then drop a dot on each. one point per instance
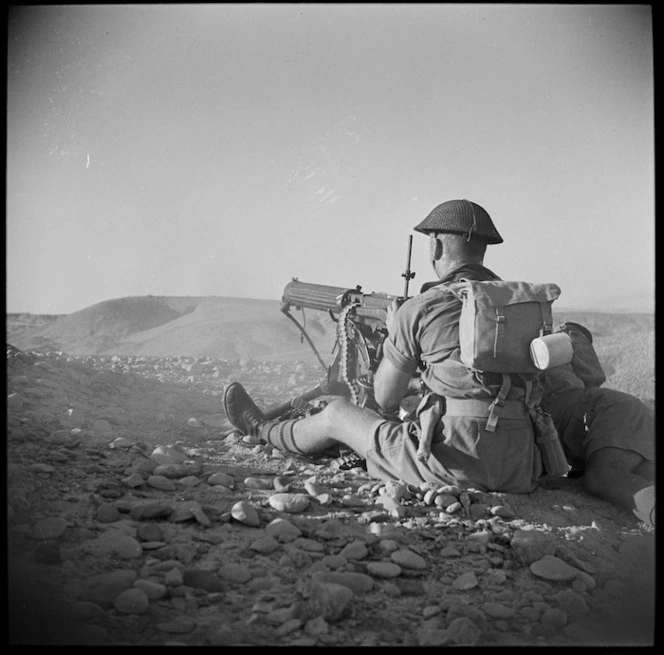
(499, 320)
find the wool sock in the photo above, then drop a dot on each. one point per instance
(644, 505)
(280, 435)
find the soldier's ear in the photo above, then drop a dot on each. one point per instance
(436, 248)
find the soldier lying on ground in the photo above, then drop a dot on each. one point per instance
(607, 435)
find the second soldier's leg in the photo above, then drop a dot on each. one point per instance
(612, 475)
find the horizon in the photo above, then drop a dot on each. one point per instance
(221, 150)
(642, 304)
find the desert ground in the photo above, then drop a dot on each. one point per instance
(138, 516)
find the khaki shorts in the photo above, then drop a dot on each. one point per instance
(614, 419)
(462, 452)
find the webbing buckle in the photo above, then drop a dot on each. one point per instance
(494, 414)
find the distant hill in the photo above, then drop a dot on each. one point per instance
(162, 326)
(235, 328)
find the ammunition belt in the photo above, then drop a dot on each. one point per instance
(345, 346)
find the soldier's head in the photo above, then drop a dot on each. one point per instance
(459, 232)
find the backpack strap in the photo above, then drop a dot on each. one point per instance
(498, 402)
(547, 325)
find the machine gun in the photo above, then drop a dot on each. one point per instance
(360, 331)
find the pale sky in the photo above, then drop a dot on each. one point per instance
(222, 149)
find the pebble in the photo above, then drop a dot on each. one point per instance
(571, 602)
(134, 480)
(334, 561)
(132, 601)
(221, 479)
(202, 579)
(168, 455)
(313, 488)
(407, 559)
(289, 502)
(355, 550)
(146, 511)
(283, 530)
(281, 484)
(465, 581)
(329, 600)
(445, 500)
(161, 482)
(258, 483)
(49, 528)
(555, 617)
(480, 539)
(121, 442)
(121, 546)
(463, 632)
(532, 545)
(244, 512)
(310, 545)
(150, 532)
(107, 513)
(550, 567)
(265, 545)
(388, 545)
(153, 590)
(84, 611)
(175, 471)
(358, 583)
(503, 511)
(498, 610)
(384, 569)
(352, 500)
(450, 551)
(181, 626)
(47, 552)
(189, 481)
(235, 573)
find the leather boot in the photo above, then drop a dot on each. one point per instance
(242, 411)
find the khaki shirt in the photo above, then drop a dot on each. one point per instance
(425, 334)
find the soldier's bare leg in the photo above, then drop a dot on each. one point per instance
(339, 421)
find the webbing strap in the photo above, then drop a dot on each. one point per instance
(547, 326)
(478, 408)
(497, 404)
(499, 334)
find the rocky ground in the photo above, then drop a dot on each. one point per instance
(137, 516)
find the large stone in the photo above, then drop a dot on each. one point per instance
(552, 568)
(531, 545)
